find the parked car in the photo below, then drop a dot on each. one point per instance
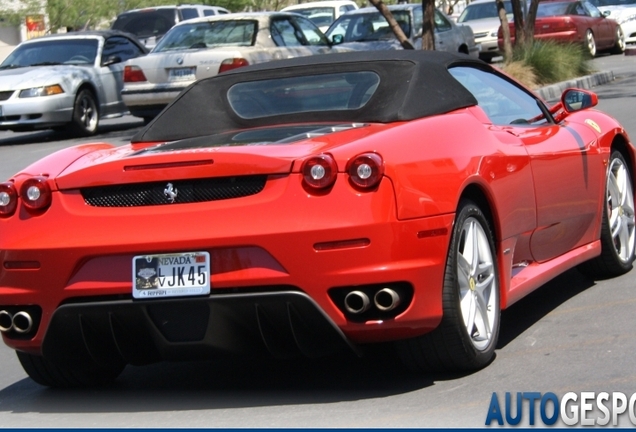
(483, 18)
(323, 13)
(150, 24)
(366, 29)
(65, 81)
(207, 46)
(623, 12)
(575, 21)
(309, 206)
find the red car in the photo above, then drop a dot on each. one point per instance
(574, 21)
(308, 206)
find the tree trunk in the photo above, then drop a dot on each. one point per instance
(530, 19)
(501, 10)
(393, 24)
(520, 28)
(428, 25)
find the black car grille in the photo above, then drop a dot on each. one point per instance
(183, 191)
(4, 95)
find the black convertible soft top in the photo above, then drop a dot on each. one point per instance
(413, 84)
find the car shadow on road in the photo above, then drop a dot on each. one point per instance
(244, 383)
(526, 312)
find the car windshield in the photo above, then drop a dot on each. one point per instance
(209, 34)
(326, 92)
(369, 26)
(477, 11)
(53, 52)
(147, 22)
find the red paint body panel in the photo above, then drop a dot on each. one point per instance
(528, 176)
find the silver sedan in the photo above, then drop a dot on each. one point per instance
(204, 47)
(65, 81)
(366, 29)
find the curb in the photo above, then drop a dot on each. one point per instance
(553, 91)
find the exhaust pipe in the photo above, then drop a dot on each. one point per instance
(22, 322)
(6, 321)
(386, 299)
(357, 302)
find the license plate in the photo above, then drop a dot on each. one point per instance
(170, 275)
(181, 74)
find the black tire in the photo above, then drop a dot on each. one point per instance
(75, 374)
(590, 43)
(85, 114)
(450, 347)
(619, 43)
(617, 250)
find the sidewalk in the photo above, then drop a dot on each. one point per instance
(553, 92)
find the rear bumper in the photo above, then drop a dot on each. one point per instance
(84, 254)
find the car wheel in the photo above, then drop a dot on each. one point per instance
(73, 374)
(618, 222)
(85, 114)
(590, 43)
(619, 44)
(467, 335)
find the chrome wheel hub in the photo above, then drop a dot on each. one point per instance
(620, 209)
(478, 288)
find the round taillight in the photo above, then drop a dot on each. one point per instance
(319, 172)
(35, 193)
(8, 199)
(366, 170)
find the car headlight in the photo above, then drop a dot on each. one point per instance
(41, 91)
(627, 19)
(494, 33)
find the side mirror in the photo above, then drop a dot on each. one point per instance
(111, 60)
(607, 13)
(337, 39)
(576, 100)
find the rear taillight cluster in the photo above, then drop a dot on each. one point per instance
(35, 194)
(232, 63)
(134, 74)
(364, 172)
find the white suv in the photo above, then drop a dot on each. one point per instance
(151, 23)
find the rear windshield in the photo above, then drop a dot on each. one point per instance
(328, 92)
(371, 26)
(147, 22)
(209, 34)
(554, 9)
(477, 11)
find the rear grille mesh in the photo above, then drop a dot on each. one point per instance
(174, 192)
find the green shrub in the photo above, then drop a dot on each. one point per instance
(553, 62)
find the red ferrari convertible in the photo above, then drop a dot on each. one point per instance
(308, 206)
(575, 21)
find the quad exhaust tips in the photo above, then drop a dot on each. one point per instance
(385, 300)
(357, 302)
(21, 322)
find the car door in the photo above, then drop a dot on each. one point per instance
(604, 28)
(296, 36)
(116, 50)
(565, 162)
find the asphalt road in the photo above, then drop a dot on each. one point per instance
(571, 335)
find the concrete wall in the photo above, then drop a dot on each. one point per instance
(9, 38)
